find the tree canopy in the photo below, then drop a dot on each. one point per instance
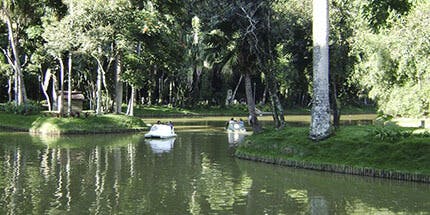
(191, 53)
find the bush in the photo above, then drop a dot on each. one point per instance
(31, 107)
(390, 133)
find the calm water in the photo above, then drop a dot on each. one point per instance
(192, 174)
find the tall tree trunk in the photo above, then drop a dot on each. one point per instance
(251, 105)
(196, 83)
(69, 86)
(271, 85)
(12, 78)
(130, 108)
(107, 101)
(54, 93)
(320, 122)
(335, 106)
(171, 93)
(61, 99)
(235, 89)
(9, 88)
(15, 86)
(263, 100)
(45, 84)
(277, 109)
(160, 90)
(118, 84)
(21, 95)
(149, 93)
(99, 89)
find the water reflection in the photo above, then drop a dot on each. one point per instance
(235, 137)
(111, 174)
(326, 193)
(161, 145)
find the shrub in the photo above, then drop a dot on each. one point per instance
(390, 133)
(31, 107)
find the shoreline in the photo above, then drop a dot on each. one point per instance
(339, 168)
(71, 132)
(368, 150)
(43, 125)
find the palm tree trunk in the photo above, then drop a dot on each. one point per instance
(320, 122)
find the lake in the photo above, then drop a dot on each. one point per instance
(195, 173)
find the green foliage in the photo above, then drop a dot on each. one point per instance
(292, 24)
(394, 65)
(29, 108)
(378, 12)
(164, 44)
(390, 133)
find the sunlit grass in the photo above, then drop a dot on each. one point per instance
(351, 145)
(54, 125)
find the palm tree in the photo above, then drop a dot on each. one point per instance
(320, 122)
(238, 30)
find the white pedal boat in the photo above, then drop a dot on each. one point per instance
(236, 127)
(161, 131)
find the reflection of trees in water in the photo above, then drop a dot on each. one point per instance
(56, 180)
(94, 180)
(219, 188)
(122, 174)
(311, 191)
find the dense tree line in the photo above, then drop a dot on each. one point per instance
(189, 53)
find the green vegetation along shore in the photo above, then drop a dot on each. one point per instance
(42, 124)
(381, 151)
(232, 110)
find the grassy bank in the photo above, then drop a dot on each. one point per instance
(385, 148)
(52, 125)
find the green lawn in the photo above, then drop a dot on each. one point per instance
(52, 125)
(389, 148)
(18, 122)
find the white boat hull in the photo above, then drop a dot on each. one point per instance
(161, 131)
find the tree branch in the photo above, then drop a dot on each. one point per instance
(251, 28)
(9, 59)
